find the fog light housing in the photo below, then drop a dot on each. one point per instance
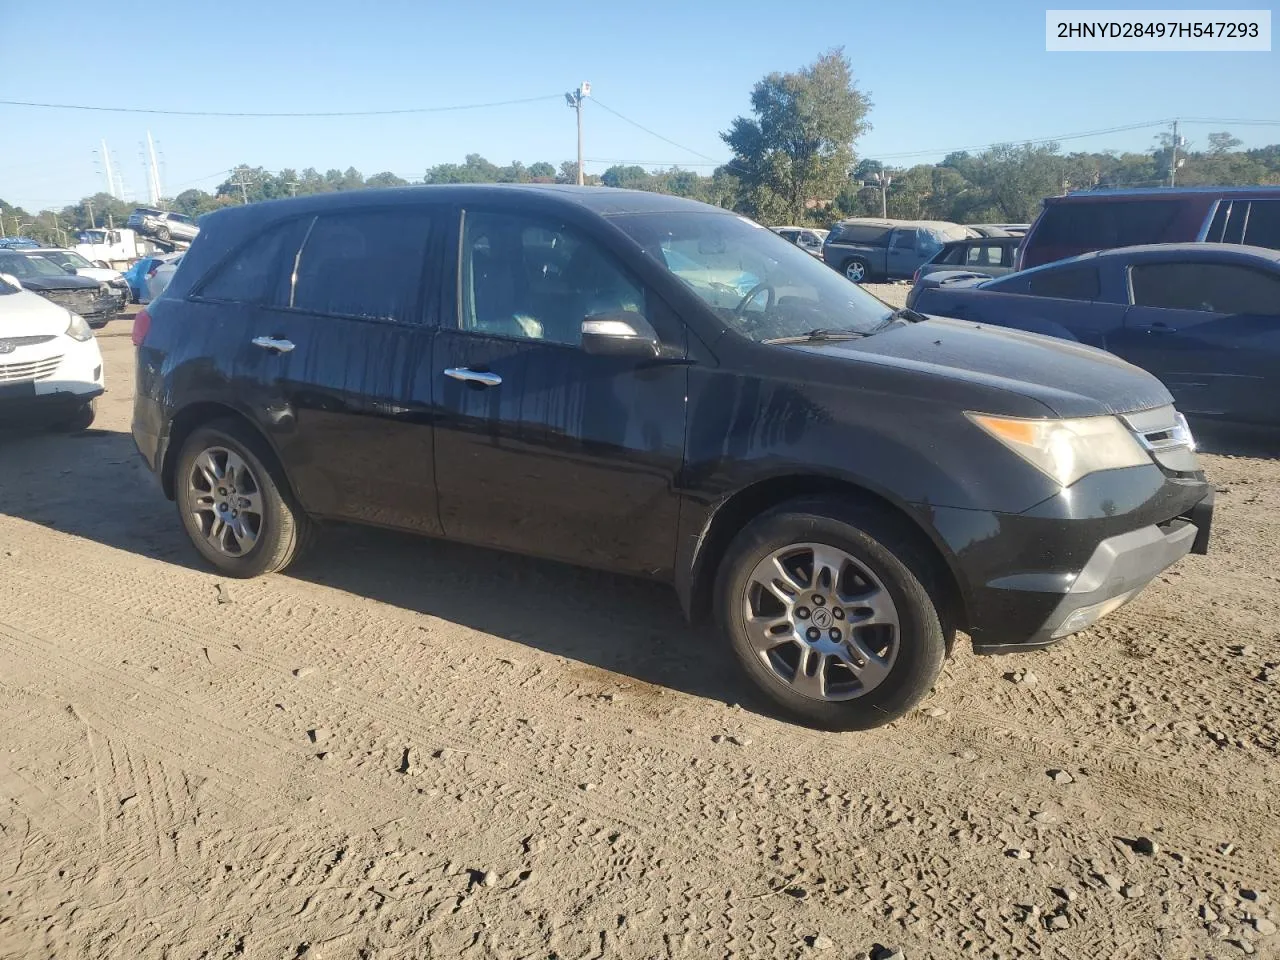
(1086, 616)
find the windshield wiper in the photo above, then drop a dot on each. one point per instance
(905, 314)
(819, 336)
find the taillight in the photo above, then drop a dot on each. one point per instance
(152, 272)
(141, 324)
(915, 277)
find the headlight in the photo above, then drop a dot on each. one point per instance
(1067, 450)
(117, 282)
(77, 329)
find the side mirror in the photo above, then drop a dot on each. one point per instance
(69, 269)
(619, 334)
(10, 279)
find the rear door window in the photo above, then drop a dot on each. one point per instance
(1070, 283)
(367, 264)
(904, 240)
(1207, 287)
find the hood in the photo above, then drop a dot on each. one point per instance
(1071, 379)
(58, 283)
(26, 314)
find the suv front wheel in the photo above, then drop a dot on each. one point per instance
(234, 503)
(827, 618)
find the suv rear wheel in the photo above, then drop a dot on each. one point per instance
(826, 610)
(856, 270)
(234, 503)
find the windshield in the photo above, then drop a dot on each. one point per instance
(21, 266)
(65, 258)
(759, 284)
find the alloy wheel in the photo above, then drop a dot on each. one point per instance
(225, 501)
(821, 621)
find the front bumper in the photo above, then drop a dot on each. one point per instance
(1119, 569)
(49, 380)
(1028, 580)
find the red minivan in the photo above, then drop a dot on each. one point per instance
(1102, 219)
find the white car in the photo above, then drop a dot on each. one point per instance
(808, 239)
(50, 365)
(159, 278)
(70, 260)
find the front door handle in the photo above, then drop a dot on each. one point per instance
(273, 344)
(1160, 327)
(482, 377)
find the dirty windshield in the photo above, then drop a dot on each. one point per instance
(762, 286)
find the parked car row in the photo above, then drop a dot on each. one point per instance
(55, 276)
(647, 384)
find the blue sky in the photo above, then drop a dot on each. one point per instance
(940, 74)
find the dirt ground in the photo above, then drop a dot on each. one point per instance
(411, 749)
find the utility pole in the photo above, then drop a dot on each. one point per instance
(1173, 159)
(293, 188)
(574, 100)
(153, 171)
(89, 206)
(243, 184)
(106, 169)
(883, 180)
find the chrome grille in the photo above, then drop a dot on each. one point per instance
(75, 300)
(9, 344)
(31, 370)
(1164, 433)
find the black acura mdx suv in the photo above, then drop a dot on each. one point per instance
(646, 384)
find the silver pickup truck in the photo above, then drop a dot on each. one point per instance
(863, 248)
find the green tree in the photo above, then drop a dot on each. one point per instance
(797, 149)
(386, 179)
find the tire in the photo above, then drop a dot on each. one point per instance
(906, 649)
(857, 270)
(162, 234)
(79, 421)
(273, 530)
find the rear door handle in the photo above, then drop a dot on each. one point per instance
(272, 344)
(1159, 327)
(482, 377)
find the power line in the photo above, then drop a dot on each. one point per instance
(326, 113)
(1066, 136)
(652, 133)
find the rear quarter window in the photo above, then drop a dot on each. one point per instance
(254, 273)
(1263, 226)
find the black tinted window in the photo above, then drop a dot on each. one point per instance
(1263, 229)
(537, 280)
(904, 239)
(254, 273)
(874, 236)
(1072, 283)
(1210, 287)
(366, 264)
(1103, 224)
